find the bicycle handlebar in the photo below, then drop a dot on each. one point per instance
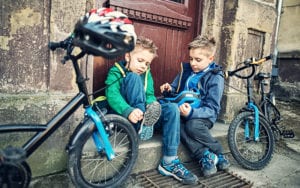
(260, 61)
(65, 44)
(251, 62)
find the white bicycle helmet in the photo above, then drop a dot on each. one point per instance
(105, 32)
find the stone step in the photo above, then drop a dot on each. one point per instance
(150, 151)
(149, 158)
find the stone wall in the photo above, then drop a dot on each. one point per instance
(288, 62)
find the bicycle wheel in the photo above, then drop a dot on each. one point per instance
(89, 168)
(270, 111)
(272, 114)
(250, 154)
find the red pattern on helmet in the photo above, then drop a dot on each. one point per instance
(93, 11)
(105, 11)
(122, 20)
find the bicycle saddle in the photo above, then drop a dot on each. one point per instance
(262, 76)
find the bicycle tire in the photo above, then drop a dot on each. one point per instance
(270, 111)
(89, 168)
(250, 154)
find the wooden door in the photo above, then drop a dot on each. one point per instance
(170, 24)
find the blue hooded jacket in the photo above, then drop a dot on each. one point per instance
(210, 85)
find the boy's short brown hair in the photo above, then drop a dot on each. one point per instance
(208, 44)
(147, 44)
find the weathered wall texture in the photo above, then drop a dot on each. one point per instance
(289, 28)
(24, 53)
(34, 85)
(212, 21)
(289, 52)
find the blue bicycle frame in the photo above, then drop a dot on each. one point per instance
(256, 122)
(252, 106)
(104, 142)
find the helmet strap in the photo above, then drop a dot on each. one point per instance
(128, 60)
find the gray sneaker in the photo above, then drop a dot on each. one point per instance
(151, 116)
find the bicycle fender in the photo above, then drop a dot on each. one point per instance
(85, 127)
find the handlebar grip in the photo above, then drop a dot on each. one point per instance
(54, 45)
(260, 61)
(62, 44)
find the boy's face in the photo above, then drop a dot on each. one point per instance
(199, 59)
(140, 59)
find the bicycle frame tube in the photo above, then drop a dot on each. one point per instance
(104, 142)
(251, 105)
(35, 141)
(256, 120)
(92, 114)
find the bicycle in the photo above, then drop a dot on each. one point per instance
(252, 133)
(102, 150)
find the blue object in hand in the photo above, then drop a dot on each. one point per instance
(191, 97)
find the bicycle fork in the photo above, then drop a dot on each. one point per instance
(256, 123)
(101, 142)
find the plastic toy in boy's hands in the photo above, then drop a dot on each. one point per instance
(191, 97)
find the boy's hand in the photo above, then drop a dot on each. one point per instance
(185, 109)
(136, 115)
(165, 87)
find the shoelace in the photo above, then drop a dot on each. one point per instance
(179, 167)
(206, 160)
(221, 158)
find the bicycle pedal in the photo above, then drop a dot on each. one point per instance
(288, 134)
(13, 154)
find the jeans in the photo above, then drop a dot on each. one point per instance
(195, 135)
(169, 124)
(132, 89)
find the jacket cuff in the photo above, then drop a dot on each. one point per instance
(190, 115)
(127, 112)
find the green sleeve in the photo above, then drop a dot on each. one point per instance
(113, 94)
(150, 97)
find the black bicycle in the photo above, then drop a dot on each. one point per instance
(252, 133)
(102, 149)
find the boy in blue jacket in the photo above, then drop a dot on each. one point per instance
(204, 75)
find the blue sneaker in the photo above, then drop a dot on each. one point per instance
(178, 171)
(151, 116)
(208, 163)
(223, 163)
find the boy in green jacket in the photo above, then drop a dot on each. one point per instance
(130, 93)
